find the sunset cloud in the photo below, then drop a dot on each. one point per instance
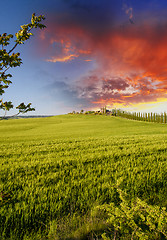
(130, 63)
(129, 12)
(62, 59)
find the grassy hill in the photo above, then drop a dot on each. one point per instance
(54, 171)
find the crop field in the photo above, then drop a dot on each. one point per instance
(54, 171)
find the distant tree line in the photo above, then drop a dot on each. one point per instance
(139, 116)
(147, 117)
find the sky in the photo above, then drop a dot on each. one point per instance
(92, 53)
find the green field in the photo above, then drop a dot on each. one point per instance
(54, 171)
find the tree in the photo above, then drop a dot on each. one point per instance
(9, 59)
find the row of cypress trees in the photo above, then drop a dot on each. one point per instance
(148, 117)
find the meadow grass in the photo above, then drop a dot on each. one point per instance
(54, 171)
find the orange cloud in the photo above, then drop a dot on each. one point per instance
(66, 43)
(88, 60)
(63, 59)
(131, 63)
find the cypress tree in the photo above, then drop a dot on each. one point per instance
(164, 117)
(148, 117)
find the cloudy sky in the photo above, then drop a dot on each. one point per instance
(93, 53)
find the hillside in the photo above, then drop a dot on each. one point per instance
(55, 170)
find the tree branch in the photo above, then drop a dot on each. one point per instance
(13, 48)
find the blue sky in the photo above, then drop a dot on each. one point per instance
(92, 54)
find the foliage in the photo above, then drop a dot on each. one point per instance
(54, 171)
(9, 59)
(135, 219)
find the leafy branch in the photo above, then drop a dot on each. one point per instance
(134, 219)
(9, 59)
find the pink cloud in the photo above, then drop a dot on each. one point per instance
(131, 63)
